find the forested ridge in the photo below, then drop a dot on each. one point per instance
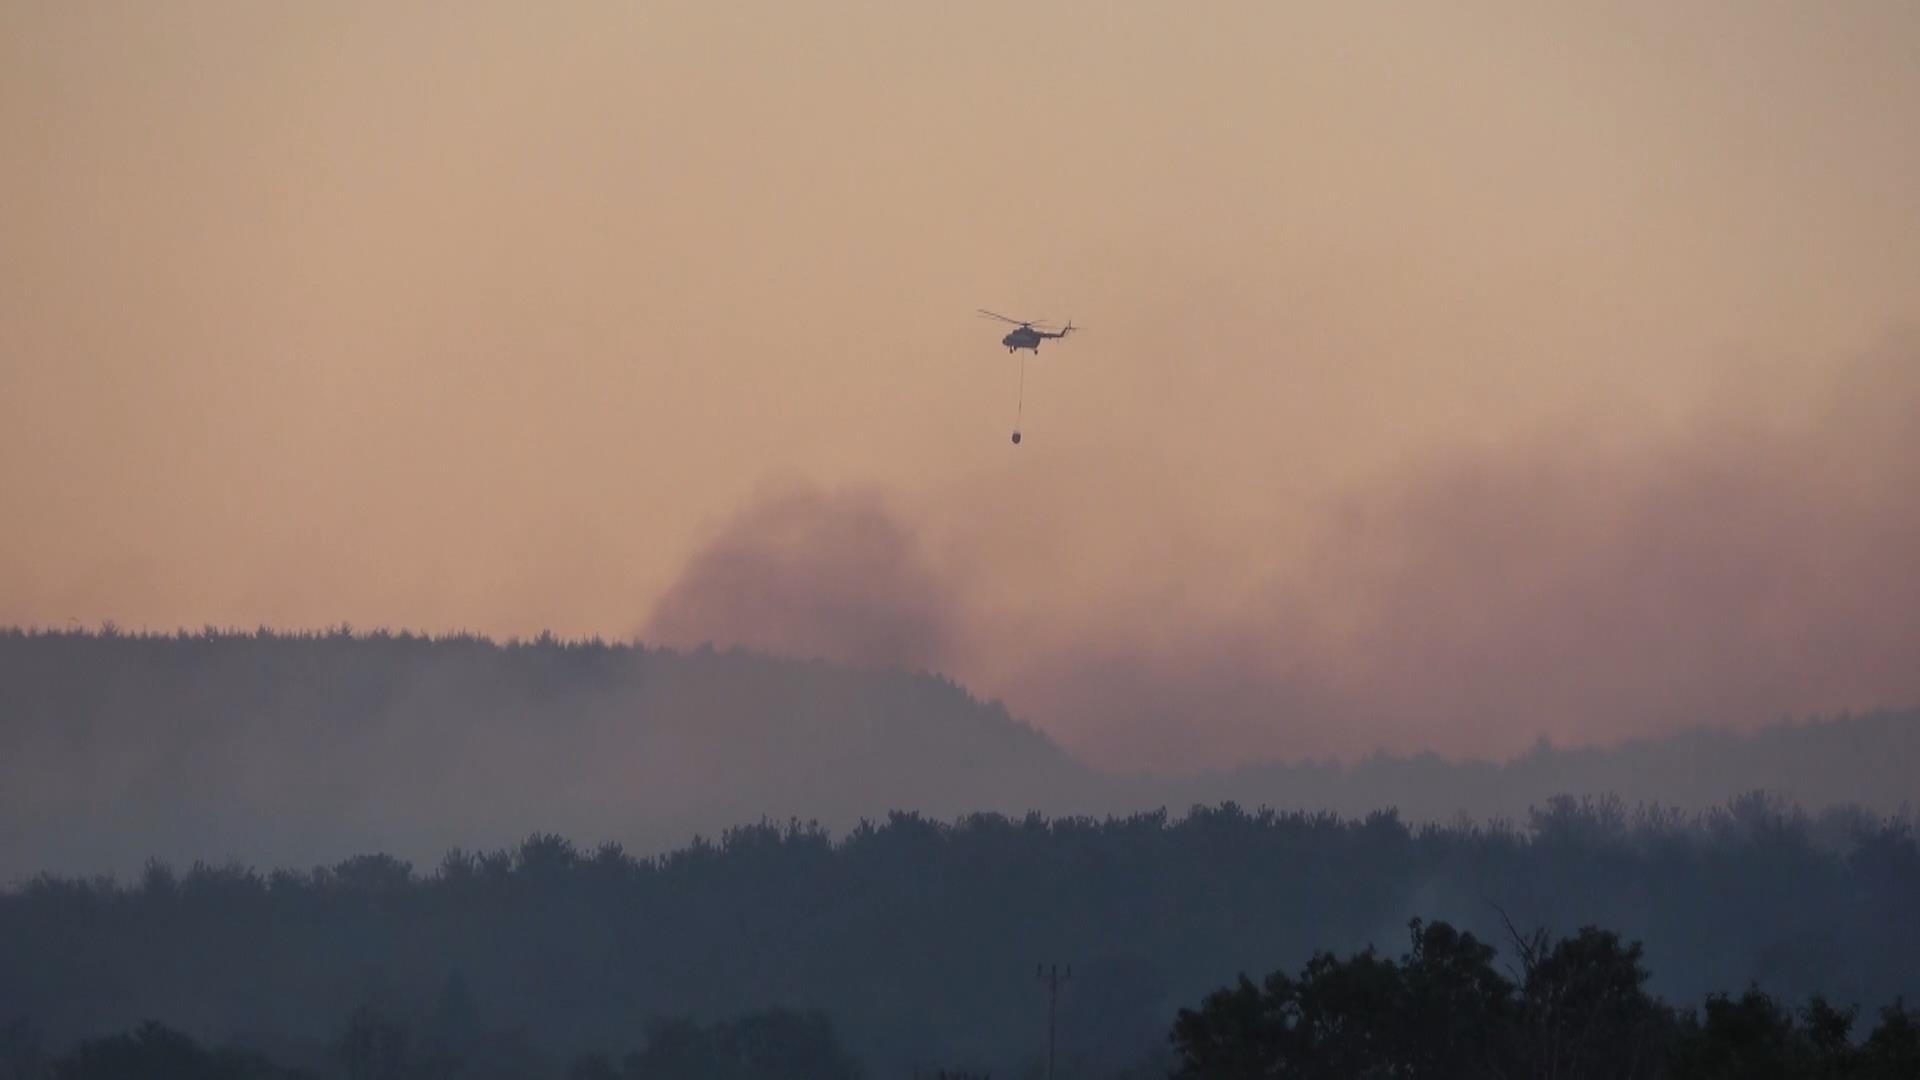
(918, 938)
(301, 748)
(315, 746)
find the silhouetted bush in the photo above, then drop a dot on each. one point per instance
(1580, 1010)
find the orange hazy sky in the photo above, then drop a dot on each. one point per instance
(1454, 374)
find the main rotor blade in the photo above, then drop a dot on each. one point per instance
(1002, 318)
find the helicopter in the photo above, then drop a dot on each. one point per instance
(1025, 336)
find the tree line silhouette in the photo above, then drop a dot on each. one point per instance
(776, 1044)
(918, 936)
(1574, 1008)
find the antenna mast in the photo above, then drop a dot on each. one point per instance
(1053, 977)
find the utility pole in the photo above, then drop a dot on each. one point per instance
(1053, 977)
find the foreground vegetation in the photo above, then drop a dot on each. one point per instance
(1577, 1007)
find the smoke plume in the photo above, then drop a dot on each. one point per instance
(1590, 582)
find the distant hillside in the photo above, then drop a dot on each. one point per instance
(1871, 761)
(303, 749)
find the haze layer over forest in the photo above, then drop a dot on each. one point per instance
(303, 749)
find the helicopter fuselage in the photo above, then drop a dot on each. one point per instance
(1024, 335)
(1023, 338)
